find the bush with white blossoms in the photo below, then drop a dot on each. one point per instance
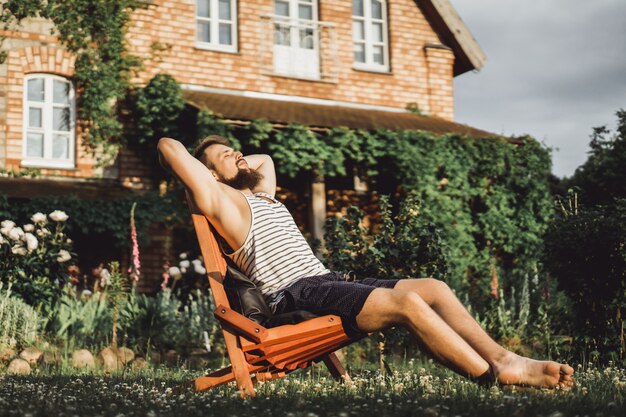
(186, 276)
(34, 257)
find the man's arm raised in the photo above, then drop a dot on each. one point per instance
(264, 165)
(196, 177)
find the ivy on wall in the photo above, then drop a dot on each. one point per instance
(94, 31)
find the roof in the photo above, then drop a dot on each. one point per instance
(26, 188)
(240, 108)
(452, 32)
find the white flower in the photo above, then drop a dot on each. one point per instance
(63, 256)
(29, 227)
(38, 218)
(1, 240)
(58, 216)
(16, 233)
(184, 264)
(183, 255)
(199, 269)
(42, 232)
(175, 272)
(85, 294)
(7, 225)
(68, 241)
(31, 242)
(183, 270)
(18, 250)
(196, 262)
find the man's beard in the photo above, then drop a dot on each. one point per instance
(245, 179)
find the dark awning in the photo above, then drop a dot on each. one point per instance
(241, 108)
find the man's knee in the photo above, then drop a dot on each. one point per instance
(408, 304)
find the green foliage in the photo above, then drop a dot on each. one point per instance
(110, 217)
(35, 258)
(586, 252)
(602, 178)
(405, 246)
(20, 322)
(94, 30)
(164, 321)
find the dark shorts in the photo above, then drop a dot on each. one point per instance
(330, 294)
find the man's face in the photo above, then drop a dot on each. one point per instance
(231, 168)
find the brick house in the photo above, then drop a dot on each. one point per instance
(321, 63)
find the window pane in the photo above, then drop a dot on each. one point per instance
(35, 89)
(204, 32)
(203, 8)
(305, 12)
(226, 37)
(60, 92)
(225, 9)
(357, 7)
(61, 119)
(60, 148)
(34, 145)
(281, 8)
(357, 30)
(282, 34)
(306, 38)
(359, 52)
(377, 32)
(378, 55)
(34, 117)
(377, 10)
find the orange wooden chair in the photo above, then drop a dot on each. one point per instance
(257, 353)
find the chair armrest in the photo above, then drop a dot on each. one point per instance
(240, 323)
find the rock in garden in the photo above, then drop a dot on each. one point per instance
(32, 355)
(83, 359)
(109, 360)
(6, 354)
(125, 355)
(18, 367)
(171, 357)
(139, 363)
(51, 357)
(154, 356)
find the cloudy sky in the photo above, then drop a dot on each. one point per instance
(555, 69)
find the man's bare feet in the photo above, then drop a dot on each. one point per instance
(513, 369)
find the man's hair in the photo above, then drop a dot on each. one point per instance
(198, 152)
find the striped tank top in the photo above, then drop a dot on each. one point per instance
(274, 254)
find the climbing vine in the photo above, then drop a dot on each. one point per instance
(94, 31)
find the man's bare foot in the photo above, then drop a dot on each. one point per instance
(517, 370)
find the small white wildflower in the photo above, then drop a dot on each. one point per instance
(58, 216)
(39, 218)
(86, 294)
(19, 250)
(196, 262)
(63, 256)
(31, 242)
(183, 255)
(199, 269)
(184, 264)
(175, 272)
(16, 233)
(29, 227)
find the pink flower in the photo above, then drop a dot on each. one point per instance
(494, 282)
(134, 269)
(165, 275)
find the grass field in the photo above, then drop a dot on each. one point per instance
(420, 390)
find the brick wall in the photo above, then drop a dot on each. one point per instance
(164, 36)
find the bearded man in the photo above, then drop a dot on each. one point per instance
(236, 194)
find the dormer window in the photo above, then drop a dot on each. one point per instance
(216, 25)
(369, 35)
(49, 122)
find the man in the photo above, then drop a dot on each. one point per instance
(236, 194)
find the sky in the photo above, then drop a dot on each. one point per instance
(555, 69)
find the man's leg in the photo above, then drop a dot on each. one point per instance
(387, 307)
(508, 367)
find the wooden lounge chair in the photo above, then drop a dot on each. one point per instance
(257, 353)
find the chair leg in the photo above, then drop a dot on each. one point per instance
(214, 379)
(335, 367)
(239, 365)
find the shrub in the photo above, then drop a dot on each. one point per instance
(586, 252)
(20, 322)
(405, 245)
(35, 258)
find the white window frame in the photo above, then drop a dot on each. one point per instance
(47, 161)
(214, 21)
(368, 20)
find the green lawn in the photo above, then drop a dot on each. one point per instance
(411, 391)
